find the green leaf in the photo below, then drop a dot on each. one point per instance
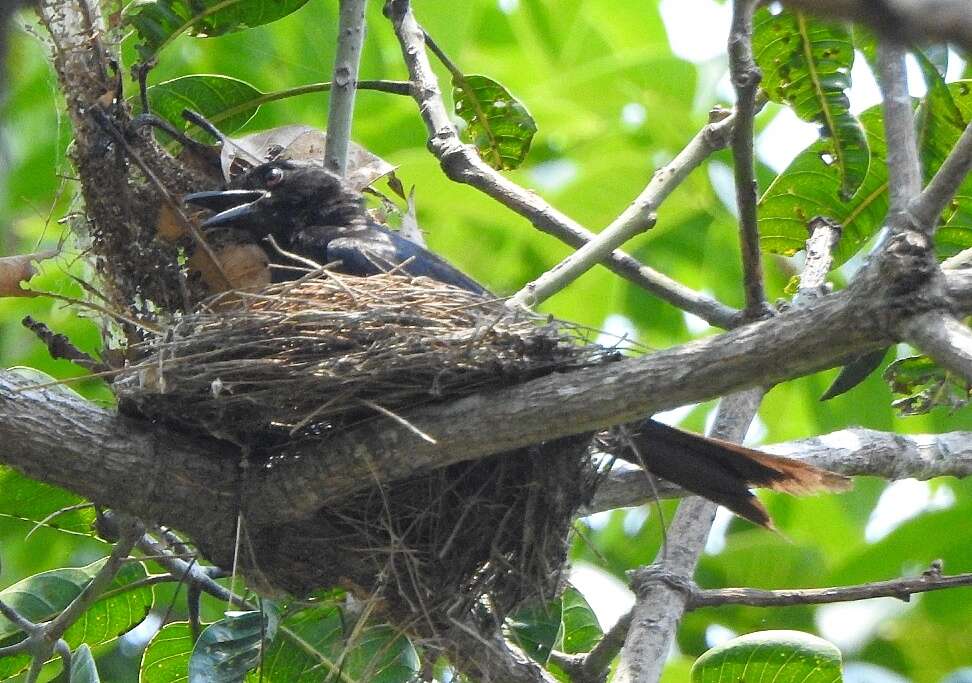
(945, 112)
(496, 122)
(232, 646)
(855, 372)
(311, 646)
(35, 503)
(770, 656)
(536, 629)
(228, 102)
(810, 187)
(43, 596)
(581, 629)
(166, 658)
(924, 385)
(806, 65)
(158, 22)
(83, 669)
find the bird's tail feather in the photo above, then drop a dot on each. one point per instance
(722, 471)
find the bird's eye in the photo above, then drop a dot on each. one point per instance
(273, 177)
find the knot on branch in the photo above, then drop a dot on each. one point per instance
(910, 279)
(644, 578)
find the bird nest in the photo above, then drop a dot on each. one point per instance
(305, 359)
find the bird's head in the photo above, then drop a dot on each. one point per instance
(281, 197)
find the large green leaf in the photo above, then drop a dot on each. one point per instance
(229, 648)
(35, 503)
(806, 64)
(159, 22)
(228, 102)
(809, 188)
(770, 656)
(945, 112)
(581, 630)
(536, 629)
(43, 596)
(496, 122)
(312, 645)
(166, 658)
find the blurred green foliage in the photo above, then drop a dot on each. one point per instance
(611, 102)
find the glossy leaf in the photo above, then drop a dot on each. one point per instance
(496, 122)
(166, 658)
(536, 629)
(229, 648)
(43, 596)
(227, 102)
(809, 187)
(770, 656)
(312, 645)
(581, 629)
(806, 64)
(923, 385)
(83, 669)
(159, 22)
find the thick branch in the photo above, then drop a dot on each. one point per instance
(904, 170)
(462, 164)
(943, 338)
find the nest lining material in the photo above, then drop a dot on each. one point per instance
(336, 349)
(301, 359)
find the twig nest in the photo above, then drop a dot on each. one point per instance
(335, 349)
(305, 358)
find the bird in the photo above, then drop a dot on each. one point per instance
(314, 214)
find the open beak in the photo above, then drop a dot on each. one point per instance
(231, 205)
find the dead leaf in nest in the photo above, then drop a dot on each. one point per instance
(17, 269)
(303, 143)
(245, 265)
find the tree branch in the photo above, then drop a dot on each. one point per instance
(462, 164)
(902, 589)
(638, 217)
(745, 79)
(351, 31)
(928, 206)
(943, 338)
(904, 169)
(660, 606)
(917, 21)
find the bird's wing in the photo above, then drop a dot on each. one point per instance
(374, 249)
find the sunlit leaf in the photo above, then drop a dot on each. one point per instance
(35, 503)
(806, 64)
(809, 188)
(496, 122)
(922, 385)
(581, 630)
(166, 658)
(159, 22)
(770, 655)
(227, 102)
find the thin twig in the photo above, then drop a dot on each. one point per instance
(636, 218)
(902, 589)
(745, 79)
(824, 234)
(462, 164)
(351, 30)
(928, 206)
